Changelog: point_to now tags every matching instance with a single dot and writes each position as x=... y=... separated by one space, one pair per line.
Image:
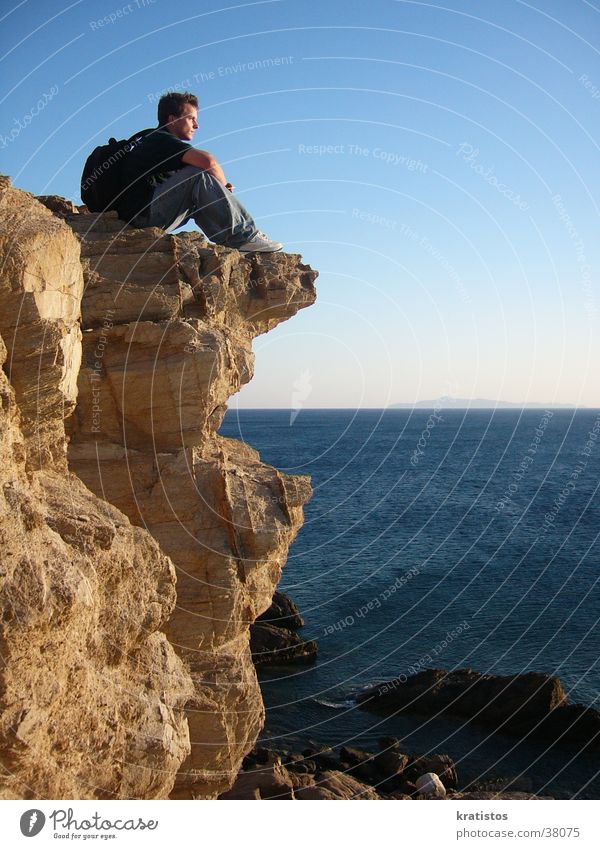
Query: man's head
x=178 y=113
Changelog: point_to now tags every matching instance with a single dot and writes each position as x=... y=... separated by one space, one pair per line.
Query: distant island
x=446 y=403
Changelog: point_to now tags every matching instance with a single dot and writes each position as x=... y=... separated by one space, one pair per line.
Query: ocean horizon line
x=398 y=409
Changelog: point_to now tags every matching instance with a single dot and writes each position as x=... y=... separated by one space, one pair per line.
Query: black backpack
x=101 y=180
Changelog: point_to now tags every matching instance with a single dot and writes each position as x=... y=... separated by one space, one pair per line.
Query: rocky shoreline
x=528 y=705
x=320 y=772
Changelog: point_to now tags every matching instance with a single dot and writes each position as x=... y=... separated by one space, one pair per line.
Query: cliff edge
x=149 y=543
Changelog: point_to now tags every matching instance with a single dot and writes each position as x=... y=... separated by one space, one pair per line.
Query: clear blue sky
x=438 y=163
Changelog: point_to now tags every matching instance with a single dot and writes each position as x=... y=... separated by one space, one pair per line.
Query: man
x=168 y=182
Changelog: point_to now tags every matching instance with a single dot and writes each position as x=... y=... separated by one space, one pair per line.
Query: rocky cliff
x=138 y=545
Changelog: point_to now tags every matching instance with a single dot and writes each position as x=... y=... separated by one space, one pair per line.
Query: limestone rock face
x=225 y=518
x=91 y=692
x=133 y=563
x=41 y=284
x=168 y=323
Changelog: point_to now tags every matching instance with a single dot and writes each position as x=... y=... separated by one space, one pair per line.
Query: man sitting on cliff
x=168 y=182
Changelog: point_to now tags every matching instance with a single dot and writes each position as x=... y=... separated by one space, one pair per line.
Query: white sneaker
x=260 y=243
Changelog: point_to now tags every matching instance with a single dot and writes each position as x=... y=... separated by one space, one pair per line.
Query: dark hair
x=172 y=103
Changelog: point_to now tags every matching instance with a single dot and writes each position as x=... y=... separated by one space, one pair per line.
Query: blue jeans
x=193 y=193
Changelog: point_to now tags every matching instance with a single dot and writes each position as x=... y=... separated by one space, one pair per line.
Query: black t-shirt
x=154 y=157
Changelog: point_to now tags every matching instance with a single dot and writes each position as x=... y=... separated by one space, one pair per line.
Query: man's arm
x=205 y=160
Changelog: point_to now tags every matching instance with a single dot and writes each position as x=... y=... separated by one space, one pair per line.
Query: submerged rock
x=282 y=613
x=277 y=646
x=532 y=703
x=494 y=699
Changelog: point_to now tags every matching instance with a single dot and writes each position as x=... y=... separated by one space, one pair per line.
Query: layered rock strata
x=137 y=339
x=91 y=691
x=168 y=323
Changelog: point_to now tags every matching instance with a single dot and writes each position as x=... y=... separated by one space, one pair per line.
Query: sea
x=446 y=539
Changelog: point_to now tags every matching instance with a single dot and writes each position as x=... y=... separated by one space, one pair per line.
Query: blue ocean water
x=460 y=538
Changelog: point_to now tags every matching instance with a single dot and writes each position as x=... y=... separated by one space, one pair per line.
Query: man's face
x=186 y=124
